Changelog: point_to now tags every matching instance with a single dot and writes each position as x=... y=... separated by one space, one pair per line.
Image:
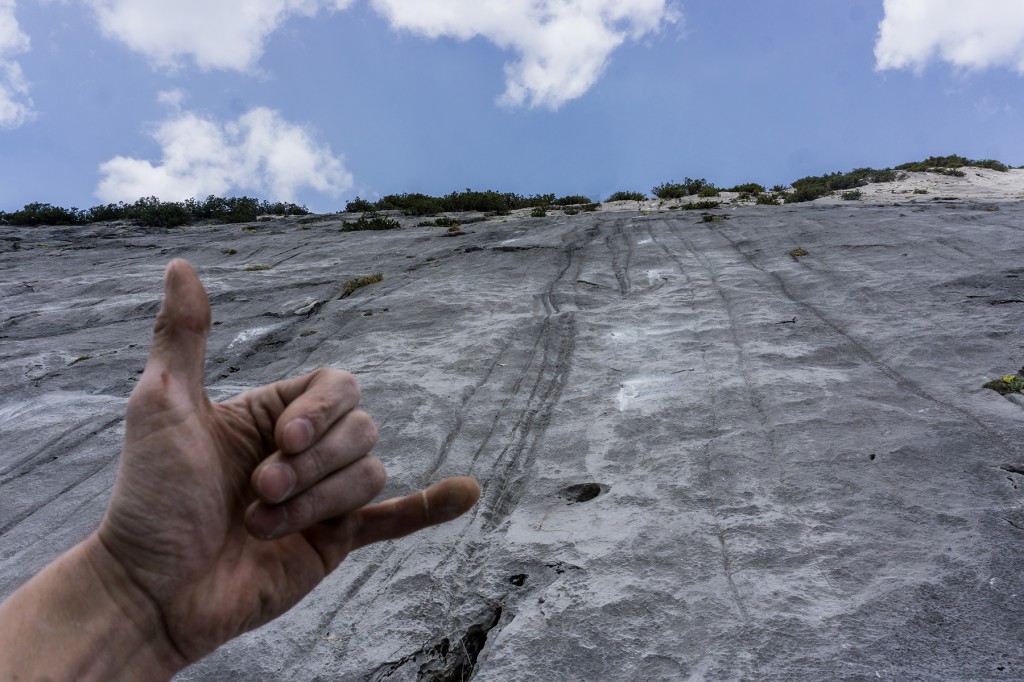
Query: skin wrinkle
x=161 y=618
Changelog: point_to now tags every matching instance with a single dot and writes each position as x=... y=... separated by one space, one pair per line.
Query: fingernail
x=276 y=482
x=298 y=435
x=269 y=522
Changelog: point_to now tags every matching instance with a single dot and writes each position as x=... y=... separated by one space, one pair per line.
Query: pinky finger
x=392 y=519
x=401 y=516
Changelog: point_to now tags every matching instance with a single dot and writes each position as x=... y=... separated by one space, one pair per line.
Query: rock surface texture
x=701 y=457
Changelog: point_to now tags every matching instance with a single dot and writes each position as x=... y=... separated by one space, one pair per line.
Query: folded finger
x=338 y=494
x=280 y=476
x=300 y=411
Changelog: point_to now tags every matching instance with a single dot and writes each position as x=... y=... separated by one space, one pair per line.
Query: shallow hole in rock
x=518 y=580
x=581 y=492
x=871 y=457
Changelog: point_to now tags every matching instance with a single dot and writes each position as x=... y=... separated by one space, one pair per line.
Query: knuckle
x=318 y=411
x=336 y=377
x=349 y=384
x=323 y=459
x=300 y=510
x=328 y=389
x=364 y=430
x=375 y=476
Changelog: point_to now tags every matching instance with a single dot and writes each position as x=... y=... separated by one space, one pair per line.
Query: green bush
x=749 y=188
x=486 y=202
x=411 y=204
x=535 y=200
x=852 y=195
x=98 y=214
x=571 y=200
x=689 y=186
x=953 y=161
x=707 y=192
x=1011 y=383
x=669 y=190
x=627 y=196
x=808 y=192
x=43 y=214
x=238 y=209
x=358 y=205
x=155 y=213
x=151 y=211
x=699 y=205
x=538 y=212
x=768 y=199
x=812 y=187
x=443 y=221
x=370 y=221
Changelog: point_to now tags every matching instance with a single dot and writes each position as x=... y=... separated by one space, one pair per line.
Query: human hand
x=224 y=515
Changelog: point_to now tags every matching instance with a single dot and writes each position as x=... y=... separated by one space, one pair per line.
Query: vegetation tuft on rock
x=350 y=286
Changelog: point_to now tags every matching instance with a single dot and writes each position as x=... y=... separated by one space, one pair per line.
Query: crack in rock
x=444 y=662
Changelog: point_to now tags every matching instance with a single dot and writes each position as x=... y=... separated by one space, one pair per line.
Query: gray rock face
x=701 y=457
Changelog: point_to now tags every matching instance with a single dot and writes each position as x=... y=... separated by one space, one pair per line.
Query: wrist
x=83 y=617
x=143 y=626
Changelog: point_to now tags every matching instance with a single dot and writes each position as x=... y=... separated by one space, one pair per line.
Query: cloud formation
x=216 y=34
x=15 y=103
x=259 y=153
x=973 y=35
x=563 y=45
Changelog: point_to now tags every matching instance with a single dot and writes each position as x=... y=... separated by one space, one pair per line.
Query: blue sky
x=317 y=101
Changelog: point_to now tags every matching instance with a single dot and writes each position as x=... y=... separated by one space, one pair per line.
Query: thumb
x=182 y=325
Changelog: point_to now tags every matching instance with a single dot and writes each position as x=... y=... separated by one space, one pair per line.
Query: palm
x=181 y=520
x=195 y=556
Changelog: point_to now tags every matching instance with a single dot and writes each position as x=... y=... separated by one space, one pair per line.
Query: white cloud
x=216 y=34
x=259 y=153
x=972 y=35
x=563 y=45
x=15 y=103
x=171 y=98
